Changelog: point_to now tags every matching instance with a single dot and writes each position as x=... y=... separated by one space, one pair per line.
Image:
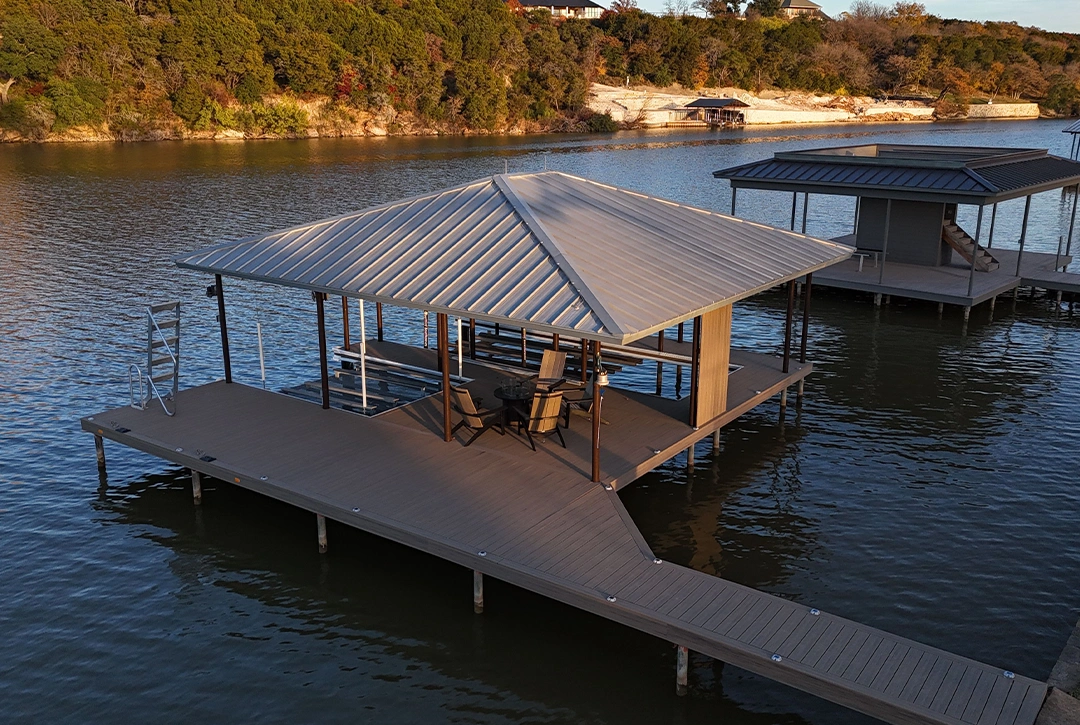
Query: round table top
x=522 y=390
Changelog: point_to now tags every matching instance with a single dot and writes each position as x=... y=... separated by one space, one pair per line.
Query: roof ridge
x=993 y=188
x=555 y=251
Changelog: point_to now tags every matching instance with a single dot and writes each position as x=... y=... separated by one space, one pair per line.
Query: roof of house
x=1072 y=128
x=956 y=174
x=800 y=5
x=560 y=4
x=717 y=103
x=548 y=251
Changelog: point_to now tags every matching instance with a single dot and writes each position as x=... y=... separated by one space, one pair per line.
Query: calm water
x=928 y=486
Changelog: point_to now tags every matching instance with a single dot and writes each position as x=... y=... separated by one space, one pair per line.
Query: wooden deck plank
x=1013 y=702
x=890 y=666
x=714 y=605
x=924 y=694
x=779 y=627
x=858 y=663
x=913 y=662
x=837 y=636
x=821 y=627
x=837 y=661
x=1029 y=710
x=978 y=698
x=995 y=701
x=777 y=614
x=963 y=692
x=945 y=693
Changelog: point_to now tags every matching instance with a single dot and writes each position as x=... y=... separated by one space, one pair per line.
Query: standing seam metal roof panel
x=547 y=251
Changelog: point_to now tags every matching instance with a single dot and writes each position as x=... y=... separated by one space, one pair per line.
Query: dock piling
x=690 y=458
x=799 y=393
x=477 y=592
x=682 y=670
x=993 y=302
x=320 y=521
x=783 y=398
x=716 y=440
x=877 y=299
x=196 y=486
x=967 y=312
x=99 y=448
x=940 y=309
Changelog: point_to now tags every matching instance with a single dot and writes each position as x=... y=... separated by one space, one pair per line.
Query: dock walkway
x=948 y=284
x=534 y=521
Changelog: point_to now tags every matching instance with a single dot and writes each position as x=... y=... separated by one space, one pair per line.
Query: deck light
x=607 y=487
x=262 y=478
x=777 y=658
x=481 y=553
x=601 y=373
x=356 y=509
x=657 y=561
x=179 y=450
x=815 y=612
x=1010 y=675
x=611 y=597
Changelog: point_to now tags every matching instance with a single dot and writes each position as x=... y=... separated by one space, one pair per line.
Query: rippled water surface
x=927 y=486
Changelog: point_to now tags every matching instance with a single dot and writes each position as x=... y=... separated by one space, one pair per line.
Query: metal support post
x=885 y=243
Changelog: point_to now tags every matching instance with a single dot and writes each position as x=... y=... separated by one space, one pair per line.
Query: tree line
x=145 y=68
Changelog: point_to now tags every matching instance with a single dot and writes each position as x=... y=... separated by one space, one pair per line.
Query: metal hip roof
x=547 y=251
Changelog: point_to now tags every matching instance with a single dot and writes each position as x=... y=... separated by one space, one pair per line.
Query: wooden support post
x=555 y=341
x=678 y=368
x=733 y=191
x=794 y=204
x=877 y=300
x=787 y=325
x=320 y=522
x=224 y=328
x=321 y=314
x=196 y=486
x=805 y=207
x=1023 y=234
x=716 y=440
x=993 y=302
x=805 y=321
x=596 y=400
x=940 y=309
x=444 y=356
x=1072 y=221
x=967 y=312
x=477 y=592
x=993 y=219
x=695 y=372
x=975 y=251
x=682 y=670
x=660 y=365
x=783 y=398
x=888 y=299
x=885 y=243
x=799 y=394
x=690 y=459
x=378 y=321
x=99 y=448
x=345 y=321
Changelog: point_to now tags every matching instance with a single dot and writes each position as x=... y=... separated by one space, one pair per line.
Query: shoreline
x=80 y=136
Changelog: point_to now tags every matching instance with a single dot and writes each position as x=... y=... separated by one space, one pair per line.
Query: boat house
x=579 y=310
x=908 y=240
x=723 y=112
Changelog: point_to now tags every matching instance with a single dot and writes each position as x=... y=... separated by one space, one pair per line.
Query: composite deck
x=536 y=521
x=948 y=284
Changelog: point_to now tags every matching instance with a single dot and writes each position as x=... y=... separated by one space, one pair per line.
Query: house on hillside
x=800 y=8
x=718 y=111
x=584 y=9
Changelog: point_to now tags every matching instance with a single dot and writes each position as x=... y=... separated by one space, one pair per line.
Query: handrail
x=134 y=369
x=164 y=340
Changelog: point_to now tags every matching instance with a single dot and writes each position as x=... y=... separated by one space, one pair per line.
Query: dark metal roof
x=968 y=175
x=560 y=4
x=1072 y=128
x=717 y=103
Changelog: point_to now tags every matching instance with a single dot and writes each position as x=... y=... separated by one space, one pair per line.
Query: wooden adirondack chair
x=478 y=421
x=544 y=416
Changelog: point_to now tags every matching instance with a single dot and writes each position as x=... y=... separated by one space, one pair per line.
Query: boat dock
x=535 y=520
x=507 y=456
x=949 y=284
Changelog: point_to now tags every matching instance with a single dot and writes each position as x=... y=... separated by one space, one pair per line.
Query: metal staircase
x=962 y=242
x=161 y=378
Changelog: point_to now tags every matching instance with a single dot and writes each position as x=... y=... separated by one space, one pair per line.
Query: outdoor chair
x=544 y=416
x=478 y=421
x=552 y=366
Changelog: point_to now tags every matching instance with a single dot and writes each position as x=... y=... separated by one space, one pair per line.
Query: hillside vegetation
x=132 y=69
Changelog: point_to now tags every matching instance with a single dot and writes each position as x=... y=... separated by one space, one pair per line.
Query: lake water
x=928 y=485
